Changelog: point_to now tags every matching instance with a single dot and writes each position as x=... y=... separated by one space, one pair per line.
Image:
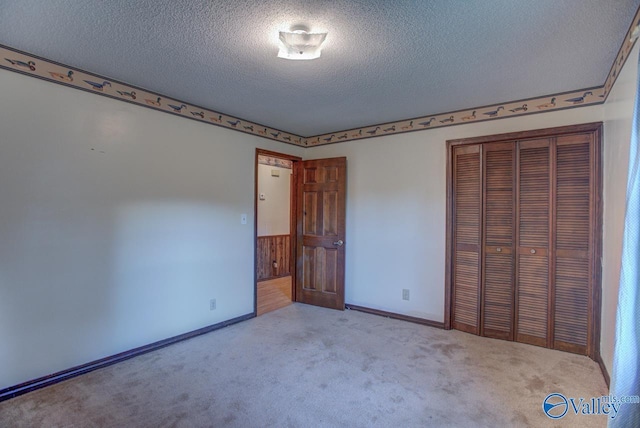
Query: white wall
x=274 y=212
x=396 y=209
x=105 y=250
x=618 y=113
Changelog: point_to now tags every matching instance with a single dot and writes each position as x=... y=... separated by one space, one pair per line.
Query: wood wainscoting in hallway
x=274 y=294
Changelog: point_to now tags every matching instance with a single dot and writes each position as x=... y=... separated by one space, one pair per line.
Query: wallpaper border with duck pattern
x=32 y=65
x=42 y=68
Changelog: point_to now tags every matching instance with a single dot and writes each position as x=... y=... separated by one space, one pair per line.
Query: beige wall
x=618 y=113
x=105 y=250
x=274 y=212
x=396 y=208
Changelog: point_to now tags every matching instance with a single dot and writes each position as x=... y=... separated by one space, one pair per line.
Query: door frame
x=293 y=230
x=596 y=266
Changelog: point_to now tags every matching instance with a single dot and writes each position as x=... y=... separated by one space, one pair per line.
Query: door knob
x=339 y=243
x=532 y=251
x=499 y=249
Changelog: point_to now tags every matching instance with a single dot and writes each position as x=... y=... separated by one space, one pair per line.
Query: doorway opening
x=275 y=214
x=300 y=231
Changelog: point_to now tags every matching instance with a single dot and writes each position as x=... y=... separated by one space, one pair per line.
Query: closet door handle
x=339 y=243
x=532 y=251
x=499 y=249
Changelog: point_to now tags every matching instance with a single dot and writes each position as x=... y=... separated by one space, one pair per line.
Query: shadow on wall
x=169 y=262
x=55 y=265
x=82 y=285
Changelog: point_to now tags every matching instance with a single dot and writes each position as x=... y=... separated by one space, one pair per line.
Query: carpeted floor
x=304 y=366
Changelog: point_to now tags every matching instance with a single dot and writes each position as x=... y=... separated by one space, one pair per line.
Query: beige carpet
x=303 y=366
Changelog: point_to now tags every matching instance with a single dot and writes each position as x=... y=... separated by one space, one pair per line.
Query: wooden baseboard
x=393 y=315
x=603 y=369
x=32 y=385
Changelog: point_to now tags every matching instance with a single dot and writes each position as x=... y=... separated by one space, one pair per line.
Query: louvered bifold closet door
x=533 y=230
x=572 y=242
x=498 y=266
x=467 y=205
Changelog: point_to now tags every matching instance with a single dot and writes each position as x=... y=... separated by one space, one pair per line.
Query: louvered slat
x=534 y=197
x=572 y=301
x=498 y=240
x=499 y=196
x=573 y=190
x=533 y=243
x=498 y=295
x=466 y=288
x=467 y=223
x=467 y=199
x=533 y=286
x=572 y=197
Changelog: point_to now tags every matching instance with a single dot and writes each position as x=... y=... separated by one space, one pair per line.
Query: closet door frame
x=593 y=345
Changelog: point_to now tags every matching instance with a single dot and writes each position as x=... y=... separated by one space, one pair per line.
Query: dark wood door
x=467 y=221
x=498 y=240
x=573 y=248
x=321 y=232
x=533 y=239
x=524 y=229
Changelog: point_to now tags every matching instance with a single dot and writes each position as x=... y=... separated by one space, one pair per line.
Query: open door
x=321 y=211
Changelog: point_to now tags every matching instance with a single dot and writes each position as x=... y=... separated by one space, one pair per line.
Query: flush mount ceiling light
x=299 y=43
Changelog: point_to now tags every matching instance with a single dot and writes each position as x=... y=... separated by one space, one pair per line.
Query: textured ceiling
x=383 y=60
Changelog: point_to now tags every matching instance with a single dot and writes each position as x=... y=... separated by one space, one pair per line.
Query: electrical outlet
x=405 y=294
x=212 y=304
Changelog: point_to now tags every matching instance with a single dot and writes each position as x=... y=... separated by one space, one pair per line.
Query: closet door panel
x=497 y=302
x=572 y=242
x=525 y=230
x=532 y=300
x=571 y=304
x=498 y=296
x=533 y=296
x=466 y=234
